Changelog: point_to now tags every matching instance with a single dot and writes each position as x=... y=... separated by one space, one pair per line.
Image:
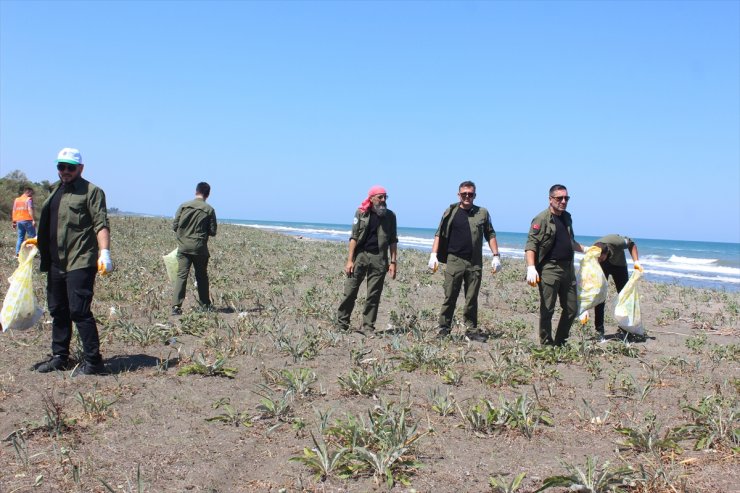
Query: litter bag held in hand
x=20 y=310
x=627 y=311
x=170 y=263
x=591 y=282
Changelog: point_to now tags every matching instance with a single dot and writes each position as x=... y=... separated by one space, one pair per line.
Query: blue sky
x=292 y=110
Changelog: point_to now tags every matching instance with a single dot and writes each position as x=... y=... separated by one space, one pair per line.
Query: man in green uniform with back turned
x=549 y=254
x=459 y=243
x=373 y=236
x=194 y=222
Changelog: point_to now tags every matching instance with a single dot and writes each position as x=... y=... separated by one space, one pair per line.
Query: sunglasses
x=71 y=168
x=564 y=198
x=382 y=196
x=467 y=195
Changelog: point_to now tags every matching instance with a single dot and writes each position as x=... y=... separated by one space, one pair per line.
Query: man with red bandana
x=373 y=236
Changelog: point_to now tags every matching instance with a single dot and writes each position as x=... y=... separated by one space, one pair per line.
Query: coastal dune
x=244 y=397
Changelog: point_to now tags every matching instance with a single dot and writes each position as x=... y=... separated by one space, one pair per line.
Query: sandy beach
x=231 y=400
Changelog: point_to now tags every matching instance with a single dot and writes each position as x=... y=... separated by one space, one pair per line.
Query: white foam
x=692 y=261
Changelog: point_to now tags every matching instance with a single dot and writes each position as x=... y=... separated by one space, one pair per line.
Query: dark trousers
x=558 y=281
x=200 y=265
x=461 y=273
x=620 y=276
x=69 y=296
x=370 y=266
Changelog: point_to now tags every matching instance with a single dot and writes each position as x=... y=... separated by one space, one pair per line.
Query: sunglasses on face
x=70 y=168
x=467 y=195
x=564 y=198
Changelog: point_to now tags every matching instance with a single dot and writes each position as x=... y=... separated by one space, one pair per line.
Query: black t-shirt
x=371 y=240
x=53 y=225
x=562 y=249
x=460 y=242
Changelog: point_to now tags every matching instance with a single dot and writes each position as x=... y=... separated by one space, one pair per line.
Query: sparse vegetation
x=310 y=408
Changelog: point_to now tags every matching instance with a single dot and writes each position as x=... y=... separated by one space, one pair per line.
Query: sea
x=700 y=264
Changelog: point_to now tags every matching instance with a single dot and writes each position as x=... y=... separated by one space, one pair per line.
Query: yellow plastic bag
x=20 y=310
x=591 y=281
x=627 y=311
x=170 y=264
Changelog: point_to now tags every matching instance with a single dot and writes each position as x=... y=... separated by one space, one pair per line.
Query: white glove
x=532 y=277
x=584 y=318
x=105 y=264
x=433 y=262
x=496 y=264
x=637 y=265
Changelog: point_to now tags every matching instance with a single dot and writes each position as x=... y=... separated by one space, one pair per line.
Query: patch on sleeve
x=354 y=221
x=535 y=228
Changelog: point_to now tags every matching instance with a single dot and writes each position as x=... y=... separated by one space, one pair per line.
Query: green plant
x=696 y=343
x=482 y=417
x=499 y=484
x=590 y=479
x=422 y=356
x=524 y=415
x=230 y=415
x=452 y=377
x=715 y=423
x=272 y=405
x=320 y=459
x=364 y=381
x=647 y=438
x=298 y=381
x=95 y=405
x=200 y=366
x=442 y=402
x=386 y=452
x=299 y=348
x=621 y=384
x=504 y=371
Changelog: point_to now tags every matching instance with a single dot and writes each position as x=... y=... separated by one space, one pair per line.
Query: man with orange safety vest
x=23 y=220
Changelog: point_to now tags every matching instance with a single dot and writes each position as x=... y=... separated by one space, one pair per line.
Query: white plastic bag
x=170 y=264
x=591 y=281
x=627 y=311
x=20 y=310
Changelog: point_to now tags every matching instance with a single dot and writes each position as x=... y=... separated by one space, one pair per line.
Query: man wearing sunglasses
x=74 y=245
x=458 y=242
x=549 y=254
x=374 y=235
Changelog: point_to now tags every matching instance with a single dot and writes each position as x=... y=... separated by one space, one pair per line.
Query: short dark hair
x=604 y=248
x=466 y=183
x=203 y=189
x=26 y=188
x=557 y=187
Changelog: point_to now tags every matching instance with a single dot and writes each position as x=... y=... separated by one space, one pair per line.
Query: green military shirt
x=542 y=234
x=194 y=222
x=480 y=227
x=387 y=230
x=82 y=213
x=616 y=245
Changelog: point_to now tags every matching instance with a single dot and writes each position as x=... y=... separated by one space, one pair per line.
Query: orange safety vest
x=21 y=209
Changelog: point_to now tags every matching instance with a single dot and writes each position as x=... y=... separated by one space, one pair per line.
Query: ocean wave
x=695 y=277
x=693 y=261
x=671 y=266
